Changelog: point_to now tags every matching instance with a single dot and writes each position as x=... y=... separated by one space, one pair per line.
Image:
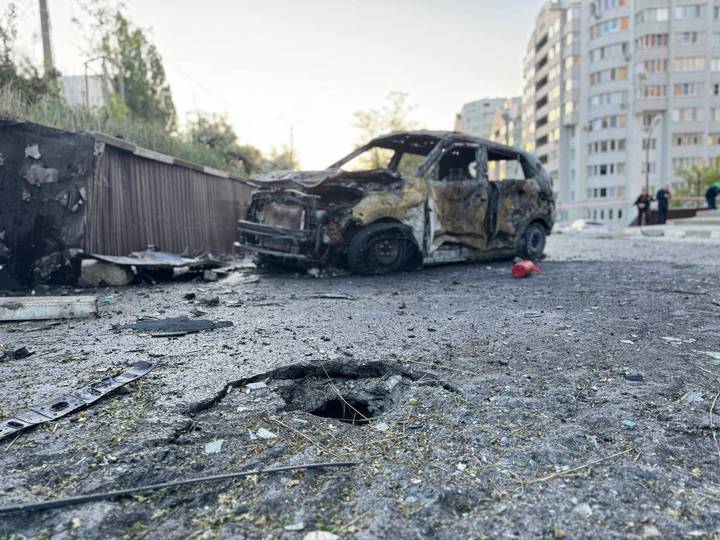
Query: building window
x=653 y=15
x=716 y=38
x=608 y=51
x=649 y=144
x=652 y=66
x=690 y=63
x=687 y=38
x=610 y=26
x=610 y=98
x=688 y=89
x=606 y=122
x=692 y=11
x=607 y=75
x=611 y=145
x=652 y=41
x=714 y=139
x=652 y=90
x=715 y=64
x=687 y=139
x=688 y=114
x=681 y=164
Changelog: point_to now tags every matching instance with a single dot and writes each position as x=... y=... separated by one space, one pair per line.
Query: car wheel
x=532 y=242
x=378 y=249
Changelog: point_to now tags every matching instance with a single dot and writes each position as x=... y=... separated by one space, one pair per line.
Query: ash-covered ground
x=575 y=403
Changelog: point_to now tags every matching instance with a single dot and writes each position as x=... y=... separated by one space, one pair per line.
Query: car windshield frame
x=399 y=150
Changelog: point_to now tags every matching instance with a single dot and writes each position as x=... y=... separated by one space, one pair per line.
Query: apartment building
x=506 y=124
x=620 y=94
x=476 y=117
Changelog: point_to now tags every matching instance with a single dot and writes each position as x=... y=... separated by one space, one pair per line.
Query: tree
x=697 y=179
x=131 y=63
x=216 y=132
x=394 y=115
x=19 y=75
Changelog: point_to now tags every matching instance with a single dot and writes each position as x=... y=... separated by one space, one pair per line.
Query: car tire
x=532 y=242
x=378 y=249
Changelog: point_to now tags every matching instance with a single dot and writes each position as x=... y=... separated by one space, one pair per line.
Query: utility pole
x=47 y=46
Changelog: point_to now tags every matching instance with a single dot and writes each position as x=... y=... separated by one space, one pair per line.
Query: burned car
x=401 y=201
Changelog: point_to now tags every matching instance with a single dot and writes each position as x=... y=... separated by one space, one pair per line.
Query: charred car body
x=405 y=199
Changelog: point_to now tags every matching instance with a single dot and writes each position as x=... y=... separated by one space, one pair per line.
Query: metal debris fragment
x=82 y=397
x=173 y=326
x=32 y=308
x=33 y=151
x=214 y=447
x=17 y=354
x=109 y=495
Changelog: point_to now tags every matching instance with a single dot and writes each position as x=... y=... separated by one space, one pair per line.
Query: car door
x=514 y=198
x=458 y=198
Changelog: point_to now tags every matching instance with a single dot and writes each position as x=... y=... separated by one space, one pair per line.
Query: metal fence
x=137 y=198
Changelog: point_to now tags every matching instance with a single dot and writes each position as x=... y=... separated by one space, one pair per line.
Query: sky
x=270 y=64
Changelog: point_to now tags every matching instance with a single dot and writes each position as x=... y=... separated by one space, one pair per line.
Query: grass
x=55 y=112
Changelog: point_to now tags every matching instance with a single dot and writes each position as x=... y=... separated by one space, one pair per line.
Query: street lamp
x=291 y=127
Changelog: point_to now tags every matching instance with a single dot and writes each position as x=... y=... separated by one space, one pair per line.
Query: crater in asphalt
x=350 y=411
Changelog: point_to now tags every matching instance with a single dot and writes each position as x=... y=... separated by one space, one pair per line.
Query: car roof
x=425 y=137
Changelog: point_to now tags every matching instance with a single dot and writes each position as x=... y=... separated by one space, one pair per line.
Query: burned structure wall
x=44 y=176
x=62 y=193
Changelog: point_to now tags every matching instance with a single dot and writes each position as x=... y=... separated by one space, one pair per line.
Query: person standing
x=643 y=205
x=663 y=198
x=711 y=194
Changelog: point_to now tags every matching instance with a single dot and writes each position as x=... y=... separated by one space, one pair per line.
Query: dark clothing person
x=663 y=199
x=710 y=195
x=643 y=205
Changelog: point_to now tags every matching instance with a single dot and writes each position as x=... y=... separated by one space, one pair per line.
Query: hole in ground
x=349 y=411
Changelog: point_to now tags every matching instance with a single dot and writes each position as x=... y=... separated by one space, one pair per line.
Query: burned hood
x=311 y=179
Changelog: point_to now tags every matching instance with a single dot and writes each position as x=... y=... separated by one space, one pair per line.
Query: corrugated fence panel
x=135 y=202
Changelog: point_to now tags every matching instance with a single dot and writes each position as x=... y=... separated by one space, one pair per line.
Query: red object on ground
x=525 y=268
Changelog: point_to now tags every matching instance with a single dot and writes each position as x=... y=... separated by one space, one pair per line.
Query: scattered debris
x=677 y=341
x=33 y=151
x=17 y=354
x=583 y=510
x=109 y=495
x=262 y=433
x=149 y=258
x=214 y=447
x=295 y=527
x=209 y=300
x=635 y=377
x=628 y=424
x=627 y=341
x=256 y=385
x=331 y=296
x=35 y=308
x=82 y=397
x=321 y=535
x=96 y=273
x=524 y=268
x=712 y=354
x=177 y=326
x=692 y=398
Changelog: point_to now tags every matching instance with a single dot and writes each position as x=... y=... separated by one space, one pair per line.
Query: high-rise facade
x=619 y=95
x=506 y=125
x=476 y=117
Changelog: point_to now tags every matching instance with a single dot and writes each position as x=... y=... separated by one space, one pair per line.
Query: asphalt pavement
x=575 y=403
